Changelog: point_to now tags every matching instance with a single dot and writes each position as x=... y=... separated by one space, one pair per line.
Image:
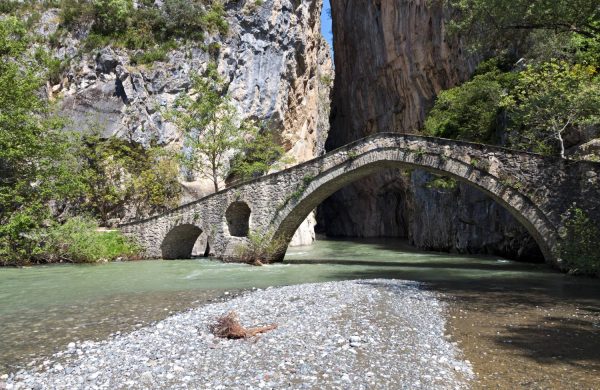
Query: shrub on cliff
x=144 y=25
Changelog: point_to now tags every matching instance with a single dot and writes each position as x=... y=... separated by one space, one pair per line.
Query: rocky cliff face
x=274 y=57
x=392 y=58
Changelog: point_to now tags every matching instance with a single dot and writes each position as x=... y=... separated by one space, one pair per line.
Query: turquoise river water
x=43 y=308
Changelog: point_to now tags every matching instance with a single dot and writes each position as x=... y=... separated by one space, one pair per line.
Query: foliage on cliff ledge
x=540 y=90
x=136 y=25
x=146 y=24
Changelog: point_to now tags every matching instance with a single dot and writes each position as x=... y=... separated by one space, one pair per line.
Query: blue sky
x=326 y=28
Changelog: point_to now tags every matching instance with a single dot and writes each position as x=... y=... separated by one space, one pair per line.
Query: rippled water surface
x=44 y=308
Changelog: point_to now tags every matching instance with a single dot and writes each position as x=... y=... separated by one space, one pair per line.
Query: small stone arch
x=179 y=242
x=238 y=219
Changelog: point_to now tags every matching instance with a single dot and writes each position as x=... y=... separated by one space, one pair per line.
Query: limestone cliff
x=273 y=57
x=392 y=58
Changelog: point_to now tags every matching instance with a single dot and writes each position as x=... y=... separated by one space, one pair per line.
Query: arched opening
x=428 y=211
x=238 y=219
x=179 y=242
x=202 y=246
x=323 y=186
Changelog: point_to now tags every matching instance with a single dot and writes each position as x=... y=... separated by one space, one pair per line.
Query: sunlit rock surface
x=274 y=58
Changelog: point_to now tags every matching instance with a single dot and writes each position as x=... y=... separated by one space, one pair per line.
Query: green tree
x=579 y=244
x=472 y=110
x=259 y=155
x=498 y=23
x=154 y=182
x=122 y=177
x=214 y=131
x=550 y=99
x=37 y=162
x=211 y=126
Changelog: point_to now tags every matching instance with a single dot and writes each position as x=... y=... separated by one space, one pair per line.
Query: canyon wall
x=276 y=62
x=392 y=58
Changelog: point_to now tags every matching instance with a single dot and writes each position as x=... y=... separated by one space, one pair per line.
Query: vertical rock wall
x=274 y=58
x=392 y=58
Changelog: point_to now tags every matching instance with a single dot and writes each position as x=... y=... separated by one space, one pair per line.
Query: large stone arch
x=179 y=241
x=325 y=183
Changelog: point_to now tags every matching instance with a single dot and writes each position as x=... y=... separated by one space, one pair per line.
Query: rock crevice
x=392 y=59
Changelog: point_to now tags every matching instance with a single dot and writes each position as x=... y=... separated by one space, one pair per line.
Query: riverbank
x=523 y=337
x=338 y=334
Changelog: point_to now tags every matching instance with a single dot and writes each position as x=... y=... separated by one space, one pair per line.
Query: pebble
x=351 y=334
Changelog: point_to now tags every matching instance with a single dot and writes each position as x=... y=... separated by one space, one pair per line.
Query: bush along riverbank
x=338 y=335
x=78 y=240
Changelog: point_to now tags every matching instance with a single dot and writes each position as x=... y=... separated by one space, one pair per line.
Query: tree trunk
x=562 y=145
x=215 y=179
x=560 y=139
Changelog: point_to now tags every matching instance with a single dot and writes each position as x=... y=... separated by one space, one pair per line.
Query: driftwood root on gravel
x=229 y=327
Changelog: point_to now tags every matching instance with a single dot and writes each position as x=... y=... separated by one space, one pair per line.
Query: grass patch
x=150 y=56
x=442 y=183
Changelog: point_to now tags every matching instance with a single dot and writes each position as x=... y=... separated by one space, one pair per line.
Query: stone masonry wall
x=538 y=191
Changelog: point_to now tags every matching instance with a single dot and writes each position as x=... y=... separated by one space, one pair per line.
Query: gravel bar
x=363 y=334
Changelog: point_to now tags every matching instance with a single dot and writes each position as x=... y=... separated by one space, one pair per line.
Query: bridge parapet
x=537 y=190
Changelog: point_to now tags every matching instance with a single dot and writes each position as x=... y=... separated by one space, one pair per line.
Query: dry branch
x=229 y=327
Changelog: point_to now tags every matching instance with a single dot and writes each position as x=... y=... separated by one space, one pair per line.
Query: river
x=520 y=324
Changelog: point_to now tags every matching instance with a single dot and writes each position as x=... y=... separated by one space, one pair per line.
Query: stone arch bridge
x=537 y=190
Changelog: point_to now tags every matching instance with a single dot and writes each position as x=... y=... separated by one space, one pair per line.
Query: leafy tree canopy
x=214 y=131
x=36 y=157
x=473 y=111
x=548 y=100
x=508 y=23
x=541 y=82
